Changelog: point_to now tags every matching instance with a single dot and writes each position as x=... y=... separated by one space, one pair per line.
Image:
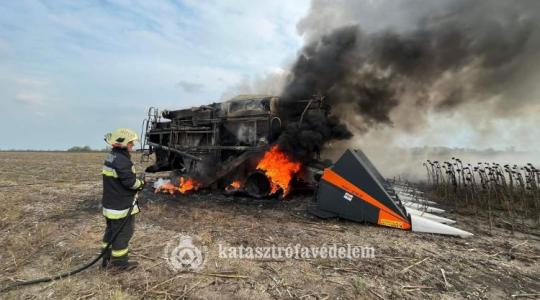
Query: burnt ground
x=56 y=225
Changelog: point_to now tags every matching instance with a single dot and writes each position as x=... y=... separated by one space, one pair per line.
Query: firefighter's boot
x=123 y=264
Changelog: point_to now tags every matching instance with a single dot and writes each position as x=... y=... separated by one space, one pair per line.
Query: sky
x=71 y=71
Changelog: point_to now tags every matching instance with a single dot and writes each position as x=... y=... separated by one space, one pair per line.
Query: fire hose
x=83 y=267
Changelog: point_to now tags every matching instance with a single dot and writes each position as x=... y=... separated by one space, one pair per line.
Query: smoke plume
x=396 y=64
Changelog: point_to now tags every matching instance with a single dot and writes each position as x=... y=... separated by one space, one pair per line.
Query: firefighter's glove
x=142 y=185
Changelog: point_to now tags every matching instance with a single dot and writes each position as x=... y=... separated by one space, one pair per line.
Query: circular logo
x=183 y=255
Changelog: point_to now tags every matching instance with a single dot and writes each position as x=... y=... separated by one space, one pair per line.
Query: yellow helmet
x=121 y=137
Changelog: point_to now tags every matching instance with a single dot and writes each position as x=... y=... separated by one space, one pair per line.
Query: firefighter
x=120 y=184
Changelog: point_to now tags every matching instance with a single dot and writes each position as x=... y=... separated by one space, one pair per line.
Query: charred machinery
x=222 y=143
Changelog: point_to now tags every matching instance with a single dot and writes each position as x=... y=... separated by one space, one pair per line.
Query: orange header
x=387 y=217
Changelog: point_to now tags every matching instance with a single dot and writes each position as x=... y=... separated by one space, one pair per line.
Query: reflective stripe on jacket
x=120 y=184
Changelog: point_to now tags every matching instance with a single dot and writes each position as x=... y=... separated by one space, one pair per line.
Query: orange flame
x=166 y=188
x=188 y=185
x=235 y=184
x=279 y=169
x=184 y=186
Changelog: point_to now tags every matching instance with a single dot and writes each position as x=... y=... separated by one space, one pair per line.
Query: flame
x=235 y=185
x=166 y=188
x=184 y=186
x=188 y=185
x=279 y=168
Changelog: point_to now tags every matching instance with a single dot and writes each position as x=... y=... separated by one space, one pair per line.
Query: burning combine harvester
x=229 y=145
x=235 y=146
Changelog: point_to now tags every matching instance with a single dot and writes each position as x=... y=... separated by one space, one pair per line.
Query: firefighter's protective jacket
x=120 y=184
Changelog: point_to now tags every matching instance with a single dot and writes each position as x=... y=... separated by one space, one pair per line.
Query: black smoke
x=459 y=52
x=302 y=139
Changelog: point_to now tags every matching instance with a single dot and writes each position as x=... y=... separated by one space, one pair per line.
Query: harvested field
x=56 y=224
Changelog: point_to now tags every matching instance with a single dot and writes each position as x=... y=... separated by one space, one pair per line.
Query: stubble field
x=50 y=221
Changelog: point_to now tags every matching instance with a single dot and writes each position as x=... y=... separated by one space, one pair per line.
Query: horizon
x=73 y=71
x=436 y=148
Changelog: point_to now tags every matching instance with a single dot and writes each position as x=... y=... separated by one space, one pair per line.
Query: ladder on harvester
x=148 y=124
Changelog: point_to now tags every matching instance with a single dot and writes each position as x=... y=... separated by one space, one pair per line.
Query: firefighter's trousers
x=121 y=245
